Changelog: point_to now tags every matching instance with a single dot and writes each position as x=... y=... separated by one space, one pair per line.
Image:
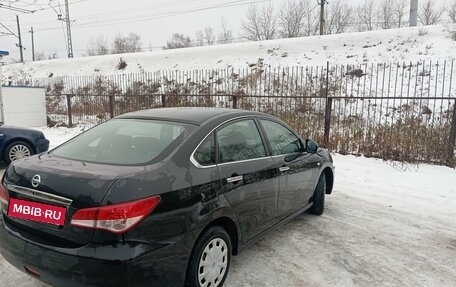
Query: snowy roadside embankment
x=422 y=189
x=394 y=45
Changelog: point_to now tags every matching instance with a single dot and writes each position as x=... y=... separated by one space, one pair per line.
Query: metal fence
x=399 y=111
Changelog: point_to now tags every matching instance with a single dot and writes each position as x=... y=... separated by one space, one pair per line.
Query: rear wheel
x=17 y=150
x=210 y=259
x=319 y=196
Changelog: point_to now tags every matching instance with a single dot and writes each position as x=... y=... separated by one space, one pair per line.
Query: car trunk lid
x=62 y=183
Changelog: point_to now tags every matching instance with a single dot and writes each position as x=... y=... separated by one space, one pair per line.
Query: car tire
x=20 y=147
x=319 y=196
x=214 y=242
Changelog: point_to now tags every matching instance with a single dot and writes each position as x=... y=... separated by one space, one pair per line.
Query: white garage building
x=23 y=106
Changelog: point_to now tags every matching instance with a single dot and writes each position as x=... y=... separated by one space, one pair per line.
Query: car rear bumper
x=89 y=265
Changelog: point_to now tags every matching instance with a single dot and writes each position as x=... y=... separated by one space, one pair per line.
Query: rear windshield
x=124 y=141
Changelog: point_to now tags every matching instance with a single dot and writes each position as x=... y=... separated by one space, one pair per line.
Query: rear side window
x=281 y=139
x=124 y=142
x=205 y=154
x=240 y=140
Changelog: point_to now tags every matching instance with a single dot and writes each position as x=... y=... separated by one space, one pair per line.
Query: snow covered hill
x=395 y=45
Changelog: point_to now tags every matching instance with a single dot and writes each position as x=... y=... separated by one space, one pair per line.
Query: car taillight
x=116 y=218
x=3 y=196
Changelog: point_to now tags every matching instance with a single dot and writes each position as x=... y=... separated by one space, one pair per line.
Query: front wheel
x=319 y=196
x=17 y=150
x=210 y=259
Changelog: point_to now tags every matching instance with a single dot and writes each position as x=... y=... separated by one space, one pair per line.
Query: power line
x=145 y=17
x=16 y=9
x=169 y=14
x=10 y=32
x=122 y=12
x=136 y=9
x=149 y=17
x=158 y=15
x=46 y=7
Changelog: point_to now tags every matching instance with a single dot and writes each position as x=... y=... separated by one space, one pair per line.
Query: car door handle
x=235 y=179
x=284 y=168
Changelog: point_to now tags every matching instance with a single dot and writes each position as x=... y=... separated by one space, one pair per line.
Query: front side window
x=282 y=140
x=123 y=141
x=240 y=140
x=205 y=154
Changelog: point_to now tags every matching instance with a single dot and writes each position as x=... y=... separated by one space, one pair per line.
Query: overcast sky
x=153 y=20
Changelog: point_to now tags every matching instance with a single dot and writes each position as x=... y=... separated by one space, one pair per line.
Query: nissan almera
x=161 y=197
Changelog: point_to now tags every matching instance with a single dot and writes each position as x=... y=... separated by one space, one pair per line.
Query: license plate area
x=39 y=212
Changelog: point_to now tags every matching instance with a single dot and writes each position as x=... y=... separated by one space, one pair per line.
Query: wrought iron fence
x=400 y=111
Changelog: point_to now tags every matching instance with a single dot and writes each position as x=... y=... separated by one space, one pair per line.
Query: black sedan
x=161 y=197
x=17 y=143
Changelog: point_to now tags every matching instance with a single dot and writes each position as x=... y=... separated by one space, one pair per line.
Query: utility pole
x=322 y=4
x=33 y=44
x=68 y=26
x=20 y=39
x=413 y=13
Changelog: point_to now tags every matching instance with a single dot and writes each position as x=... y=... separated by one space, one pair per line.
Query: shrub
x=122 y=64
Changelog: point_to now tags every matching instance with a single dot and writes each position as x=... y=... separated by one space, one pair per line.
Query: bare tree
x=400 y=12
x=199 y=38
x=312 y=20
x=98 y=46
x=178 y=41
x=126 y=44
x=209 y=35
x=429 y=14
x=386 y=14
x=261 y=24
x=205 y=37
x=291 y=19
x=339 y=17
x=52 y=56
x=366 y=16
x=225 y=35
x=40 y=56
x=452 y=11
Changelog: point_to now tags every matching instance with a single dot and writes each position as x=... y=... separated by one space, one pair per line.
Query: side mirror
x=311 y=146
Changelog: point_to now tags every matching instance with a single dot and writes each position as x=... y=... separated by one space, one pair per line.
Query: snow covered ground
x=386 y=224
x=395 y=45
x=383 y=226
x=59 y=135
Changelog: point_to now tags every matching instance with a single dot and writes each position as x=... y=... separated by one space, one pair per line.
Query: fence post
x=452 y=139
x=111 y=106
x=70 y=117
x=328 y=109
x=163 y=101
x=235 y=99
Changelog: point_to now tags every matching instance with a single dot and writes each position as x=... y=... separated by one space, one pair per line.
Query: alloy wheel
x=19 y=151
